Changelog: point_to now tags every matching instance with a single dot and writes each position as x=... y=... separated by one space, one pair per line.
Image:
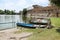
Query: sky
x=18 y=5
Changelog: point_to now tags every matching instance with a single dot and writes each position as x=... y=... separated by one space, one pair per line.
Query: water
x=9 y=21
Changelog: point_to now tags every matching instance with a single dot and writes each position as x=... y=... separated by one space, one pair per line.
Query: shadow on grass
x=58 y=30
x=50 y=27
x=26 y=27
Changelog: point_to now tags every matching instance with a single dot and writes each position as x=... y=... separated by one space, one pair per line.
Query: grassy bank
x=48 y=34
x=44 y=33
x=55 y=21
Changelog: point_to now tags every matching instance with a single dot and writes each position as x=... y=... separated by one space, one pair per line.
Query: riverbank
x=10 y=35
x=44 y=33
x=47 y=34
x=33 y=34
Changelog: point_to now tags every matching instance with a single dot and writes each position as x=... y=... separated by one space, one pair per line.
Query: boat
x=26 y=25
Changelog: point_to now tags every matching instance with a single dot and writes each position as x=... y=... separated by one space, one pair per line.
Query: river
x=9 y=21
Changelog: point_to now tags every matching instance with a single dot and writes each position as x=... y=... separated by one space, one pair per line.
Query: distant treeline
x=8 y=12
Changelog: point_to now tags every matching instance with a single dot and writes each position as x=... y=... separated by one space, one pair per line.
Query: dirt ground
x=9 y=35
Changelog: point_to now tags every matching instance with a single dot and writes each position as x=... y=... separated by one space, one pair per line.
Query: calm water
x=9 y=21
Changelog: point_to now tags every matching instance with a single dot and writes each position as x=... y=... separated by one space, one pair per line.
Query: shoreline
x=8 y=29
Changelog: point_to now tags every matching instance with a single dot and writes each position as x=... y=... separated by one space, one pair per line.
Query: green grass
x=55 y=21
x=48 y=34
x=44 y=33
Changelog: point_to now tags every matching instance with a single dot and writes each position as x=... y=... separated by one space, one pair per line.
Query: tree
x=24 y=15
x=55 y=2
x=6 y=11
x=1 y=12
x=12 y=12
x=9 y=12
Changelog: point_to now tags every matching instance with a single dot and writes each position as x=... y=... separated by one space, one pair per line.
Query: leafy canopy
x=55 y=2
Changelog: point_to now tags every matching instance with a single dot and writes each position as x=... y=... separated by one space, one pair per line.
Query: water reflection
x=9 y=21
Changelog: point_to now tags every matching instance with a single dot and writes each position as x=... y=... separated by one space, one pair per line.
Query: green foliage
x=24 y=14
x=1 y=12
x=55 y=2
x=7 y=12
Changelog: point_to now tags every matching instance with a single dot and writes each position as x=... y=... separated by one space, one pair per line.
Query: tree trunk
x=57 y=14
